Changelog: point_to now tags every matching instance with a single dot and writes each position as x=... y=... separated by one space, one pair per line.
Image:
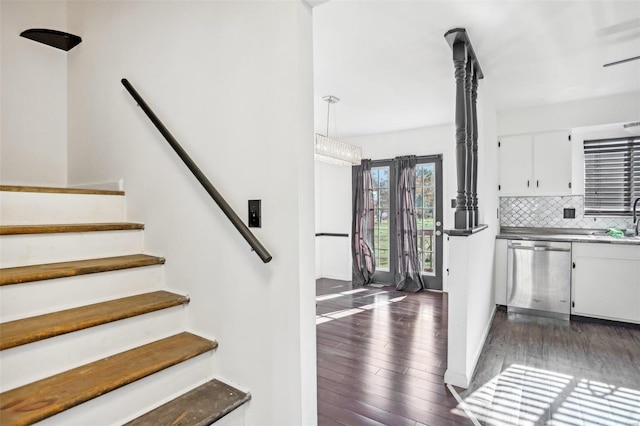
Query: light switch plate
x=255 y=213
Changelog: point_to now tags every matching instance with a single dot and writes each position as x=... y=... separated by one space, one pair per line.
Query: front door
x=428 y=202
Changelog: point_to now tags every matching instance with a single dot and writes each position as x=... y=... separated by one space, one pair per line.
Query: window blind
x=612 y=176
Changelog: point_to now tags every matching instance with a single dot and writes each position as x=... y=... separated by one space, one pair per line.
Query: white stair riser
x=28 y=208
x=33 y=249
x=127 y=403
x=35 y=361
x=40 y=297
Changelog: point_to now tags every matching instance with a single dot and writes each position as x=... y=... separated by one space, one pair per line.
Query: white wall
x=471 y=303
x=233 y=82
x=33 y=83
x=333 y=194
x=488 y=158
x=588 y=112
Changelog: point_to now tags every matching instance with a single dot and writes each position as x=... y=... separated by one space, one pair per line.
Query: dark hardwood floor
x=540 y=371
x=382 y=355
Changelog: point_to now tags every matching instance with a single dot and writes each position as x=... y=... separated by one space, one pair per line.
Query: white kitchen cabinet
x=516 y=165
x=535 y=164
x=500 y=272
x=605 y=282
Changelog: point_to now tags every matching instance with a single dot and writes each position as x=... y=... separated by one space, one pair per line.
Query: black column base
x=461 y=219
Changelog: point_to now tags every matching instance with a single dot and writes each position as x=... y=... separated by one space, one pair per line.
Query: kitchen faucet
x=636 y=221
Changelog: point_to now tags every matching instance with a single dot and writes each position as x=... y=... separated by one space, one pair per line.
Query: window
x=381 y=216
x=612 y=176
x=425 y=211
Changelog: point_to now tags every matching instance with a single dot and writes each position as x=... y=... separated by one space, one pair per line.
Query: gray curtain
x=407 y=277
x=362 y=225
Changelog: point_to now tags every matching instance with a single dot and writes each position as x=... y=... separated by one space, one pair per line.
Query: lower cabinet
x=605 y=281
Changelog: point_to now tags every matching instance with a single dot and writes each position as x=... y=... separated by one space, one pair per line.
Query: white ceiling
x=391 y=67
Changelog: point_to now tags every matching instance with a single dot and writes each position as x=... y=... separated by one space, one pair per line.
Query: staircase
x=89 y=335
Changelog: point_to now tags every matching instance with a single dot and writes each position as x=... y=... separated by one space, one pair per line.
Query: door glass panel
x=425 y=212
x=380 y=177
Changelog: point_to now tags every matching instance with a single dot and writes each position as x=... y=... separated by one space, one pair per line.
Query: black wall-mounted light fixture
x=53 y=38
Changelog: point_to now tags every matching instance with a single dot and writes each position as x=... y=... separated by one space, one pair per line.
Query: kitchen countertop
x=551 y=234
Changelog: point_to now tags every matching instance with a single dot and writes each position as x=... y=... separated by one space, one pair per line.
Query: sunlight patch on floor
x=522 y=395
x=320 y=319
x=336 y=295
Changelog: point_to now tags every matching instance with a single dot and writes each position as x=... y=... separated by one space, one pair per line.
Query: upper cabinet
x=535 y=164
x=515 y=159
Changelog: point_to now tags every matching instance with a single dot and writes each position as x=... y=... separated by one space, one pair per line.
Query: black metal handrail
x=206 y=184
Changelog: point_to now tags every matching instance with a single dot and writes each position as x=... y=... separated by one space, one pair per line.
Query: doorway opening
x=428 y=207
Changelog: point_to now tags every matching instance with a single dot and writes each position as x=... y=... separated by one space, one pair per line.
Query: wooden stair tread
x=47 y=189
x=47 y=397
x=21 y=274
x=27 y=330
x=200 y=407
x=62 y=228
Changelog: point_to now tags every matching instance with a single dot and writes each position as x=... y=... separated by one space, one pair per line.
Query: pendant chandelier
x=332 y=150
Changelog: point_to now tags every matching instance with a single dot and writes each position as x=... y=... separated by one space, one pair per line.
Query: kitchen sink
x=627 y=236
x=576 y=235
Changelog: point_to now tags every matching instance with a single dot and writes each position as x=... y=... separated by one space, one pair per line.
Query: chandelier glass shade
x=332 y=150
x=335 y=152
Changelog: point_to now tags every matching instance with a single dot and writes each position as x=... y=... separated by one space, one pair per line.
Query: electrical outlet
x=569 y=213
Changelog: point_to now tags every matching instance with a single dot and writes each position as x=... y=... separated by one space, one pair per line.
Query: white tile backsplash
x=547 y=212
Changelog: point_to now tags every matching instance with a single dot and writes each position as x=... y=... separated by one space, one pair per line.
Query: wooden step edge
x=44 y=398
x=201 y=406
x=64 y=228
x=59 y=190
x=23 y=274
x=32 y=329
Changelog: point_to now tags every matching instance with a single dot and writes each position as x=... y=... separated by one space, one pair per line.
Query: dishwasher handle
x=537 y=248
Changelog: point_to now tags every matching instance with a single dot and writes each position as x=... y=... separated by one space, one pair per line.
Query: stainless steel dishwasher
x=539 y=277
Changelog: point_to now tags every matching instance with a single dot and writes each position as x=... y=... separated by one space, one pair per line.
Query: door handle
x=438 y=223
x=534 y=248
x=438 y=233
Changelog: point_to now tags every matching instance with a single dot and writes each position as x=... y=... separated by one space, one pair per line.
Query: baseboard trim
x=456 y=379
x=334 y=277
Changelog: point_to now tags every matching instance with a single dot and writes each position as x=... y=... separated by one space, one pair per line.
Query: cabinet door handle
x=527 y=184
x=537 y=183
